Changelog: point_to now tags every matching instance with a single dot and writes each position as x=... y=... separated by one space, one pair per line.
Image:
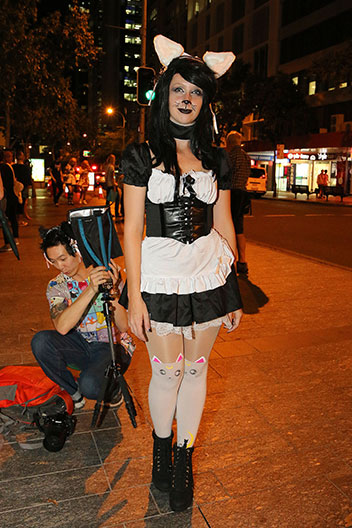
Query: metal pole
x=143 y=63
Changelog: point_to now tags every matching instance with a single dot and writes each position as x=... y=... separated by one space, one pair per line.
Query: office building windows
x=221 y=43
x=207 y=27
x=293 y=10
x=194 y=37
x=260 y=26
x=237 y=10
x=321 y=36
x=220 y=13
x=261 y=61
x=237 y=39
x=312 y=87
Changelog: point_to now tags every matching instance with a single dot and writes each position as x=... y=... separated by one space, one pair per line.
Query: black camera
x=56 y=429
x=106 y=287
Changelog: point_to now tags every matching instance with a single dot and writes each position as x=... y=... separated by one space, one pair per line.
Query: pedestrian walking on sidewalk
x=84 y=181
x=23 y=173
x=10 y=200
x=181 y=283
x=112 y=195
x=322 y=181
x=241 y=168
x=70 y=179
x=57 y=179
x=80 y=336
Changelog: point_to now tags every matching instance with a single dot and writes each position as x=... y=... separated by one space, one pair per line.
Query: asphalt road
x=316 y=230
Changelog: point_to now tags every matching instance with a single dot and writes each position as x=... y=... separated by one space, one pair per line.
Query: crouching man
x=80 y=337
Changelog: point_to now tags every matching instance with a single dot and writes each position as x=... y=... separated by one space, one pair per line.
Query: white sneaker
x=4 y=248
x=79 y=404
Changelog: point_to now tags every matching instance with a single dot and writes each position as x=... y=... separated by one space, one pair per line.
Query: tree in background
x=277 y=103
x=335 y=66
x=38 y=57
x=282 y=108
x=232 y=104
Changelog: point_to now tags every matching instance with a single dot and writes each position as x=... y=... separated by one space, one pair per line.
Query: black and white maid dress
x=187 y=277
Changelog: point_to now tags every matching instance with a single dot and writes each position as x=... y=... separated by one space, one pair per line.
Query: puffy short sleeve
x=224 y=172
x=136 y=164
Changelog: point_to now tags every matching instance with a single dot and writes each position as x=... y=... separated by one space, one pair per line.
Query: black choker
x=181 y=131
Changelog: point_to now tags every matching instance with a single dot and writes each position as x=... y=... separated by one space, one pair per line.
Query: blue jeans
x=54 y=352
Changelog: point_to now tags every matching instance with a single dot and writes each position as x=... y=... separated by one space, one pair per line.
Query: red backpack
x=29 y=399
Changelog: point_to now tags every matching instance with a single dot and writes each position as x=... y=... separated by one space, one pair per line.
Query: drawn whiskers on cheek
x=186 y=106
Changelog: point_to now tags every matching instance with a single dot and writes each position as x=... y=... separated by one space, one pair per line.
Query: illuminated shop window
x=312 y=87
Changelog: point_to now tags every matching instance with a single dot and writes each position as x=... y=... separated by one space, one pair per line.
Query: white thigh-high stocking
x=167 y=362
x=193 y=387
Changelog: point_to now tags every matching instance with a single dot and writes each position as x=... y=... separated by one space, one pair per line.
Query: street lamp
x=110 y=111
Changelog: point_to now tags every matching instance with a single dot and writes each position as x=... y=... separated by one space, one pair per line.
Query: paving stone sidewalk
x=274 y=448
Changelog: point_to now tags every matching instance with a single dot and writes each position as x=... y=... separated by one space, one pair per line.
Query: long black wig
x=161 y=141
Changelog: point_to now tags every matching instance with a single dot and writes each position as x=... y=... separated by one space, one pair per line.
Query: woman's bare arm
x=134 y=204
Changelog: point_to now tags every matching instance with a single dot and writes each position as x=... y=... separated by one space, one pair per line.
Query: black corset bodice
x=185 y=219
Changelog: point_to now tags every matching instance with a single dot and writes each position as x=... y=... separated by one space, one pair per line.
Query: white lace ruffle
x=206 y=264
x=164 y=329
x=161 y=186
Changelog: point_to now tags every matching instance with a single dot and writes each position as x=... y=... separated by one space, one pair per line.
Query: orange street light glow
x=109 y=110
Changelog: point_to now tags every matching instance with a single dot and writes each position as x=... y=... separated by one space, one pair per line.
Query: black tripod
x=113 y=375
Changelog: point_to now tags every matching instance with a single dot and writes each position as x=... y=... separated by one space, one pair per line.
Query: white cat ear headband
x=167 y=50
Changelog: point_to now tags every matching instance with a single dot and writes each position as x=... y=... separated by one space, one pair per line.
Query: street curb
x=294 y=200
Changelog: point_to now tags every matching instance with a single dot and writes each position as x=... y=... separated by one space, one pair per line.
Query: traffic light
x=145 y=85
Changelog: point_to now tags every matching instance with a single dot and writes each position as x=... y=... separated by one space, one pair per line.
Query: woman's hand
x=235 y=318
x=138 y=318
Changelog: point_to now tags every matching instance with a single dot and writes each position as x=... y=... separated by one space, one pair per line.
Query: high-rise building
x=169 y=18
x=290 y=36
x=116 y=26
x=279 y=36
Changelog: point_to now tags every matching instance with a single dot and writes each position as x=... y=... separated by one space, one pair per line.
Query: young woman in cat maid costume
x=181 y=282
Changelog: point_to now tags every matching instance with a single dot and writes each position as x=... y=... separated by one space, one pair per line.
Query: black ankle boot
x=181 y=493
x=162 y=462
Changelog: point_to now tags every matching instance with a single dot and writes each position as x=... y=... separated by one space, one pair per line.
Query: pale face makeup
x=185 y=101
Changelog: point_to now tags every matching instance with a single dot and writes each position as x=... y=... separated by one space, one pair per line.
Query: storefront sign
x=312 y=156
x=262 y=157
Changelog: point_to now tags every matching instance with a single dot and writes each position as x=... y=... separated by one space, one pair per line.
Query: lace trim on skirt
x=163 y=329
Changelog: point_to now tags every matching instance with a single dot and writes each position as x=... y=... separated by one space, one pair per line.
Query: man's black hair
x=56 y=236
x=161 y=141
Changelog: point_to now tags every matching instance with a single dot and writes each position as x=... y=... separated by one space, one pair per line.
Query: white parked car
x=256 y=183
